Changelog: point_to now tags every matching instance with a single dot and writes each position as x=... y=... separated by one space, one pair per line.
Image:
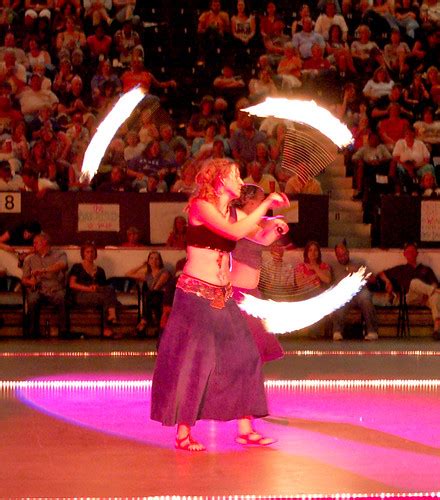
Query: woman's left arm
x=161 y=282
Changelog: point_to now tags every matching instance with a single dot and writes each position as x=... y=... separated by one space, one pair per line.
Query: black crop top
x=202 y=237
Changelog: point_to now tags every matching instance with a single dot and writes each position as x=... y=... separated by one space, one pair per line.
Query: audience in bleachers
x=63 y=65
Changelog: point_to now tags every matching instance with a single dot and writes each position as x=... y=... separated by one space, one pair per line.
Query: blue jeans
x=365 y=304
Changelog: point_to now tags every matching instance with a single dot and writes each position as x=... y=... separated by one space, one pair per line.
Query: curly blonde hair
x=210 y=177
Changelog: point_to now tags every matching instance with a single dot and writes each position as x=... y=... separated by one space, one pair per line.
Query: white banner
x=98 y=217
x=430 y=221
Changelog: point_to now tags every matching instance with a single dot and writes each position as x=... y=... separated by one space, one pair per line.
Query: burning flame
x=106 y=131
x=306 y=112
x=285 y=317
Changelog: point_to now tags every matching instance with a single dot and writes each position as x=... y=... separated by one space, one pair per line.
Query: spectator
x=97 y=11
x=186 y=183
x=378 y=86
x=228 y=81
x=417 y=281
x=213 y=28
x=396 y=54
x=262 y=87
x=312 y=275
x=362 y=49
x=125 y=40
x=88 y=284
x=10 y=46
x=104 y=74
x=169 y=141
x=267 y=20
x=406 y=14
x=428 y=130
x=99 y=44
x=133 y=238
x=69 y=40
x=267 y=182
x=410 y=161
x=118 y=181
x=44 y=278
x=297 y=24
x=36 y=184
x=245 y=139
x=148 y=131
x=8 y=180
x=338 y=52
x=198 y=121
x=243 y=29
x=33 y=98
x=415 y=96
x=134 y=148
x=177 y=237
x=289 y=68
x=37 y=57
x=12 y=72
x=430 y=15
x=330 y=18
x=124 y=9
x=370 y=160
x=305 y=39
x=138 y=75
x=393 y=128
x=274 y=43
x=363 y=300
x=157 y=287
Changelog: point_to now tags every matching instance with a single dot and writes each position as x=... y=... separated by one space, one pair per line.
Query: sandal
x=186 y=443
x=253 y=438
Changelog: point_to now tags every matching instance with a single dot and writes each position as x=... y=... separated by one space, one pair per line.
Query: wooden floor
x=74 y=422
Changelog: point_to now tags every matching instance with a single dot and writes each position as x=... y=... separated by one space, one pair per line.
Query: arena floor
x=351 y=418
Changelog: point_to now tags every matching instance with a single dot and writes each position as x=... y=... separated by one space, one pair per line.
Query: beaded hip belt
x=217 y=295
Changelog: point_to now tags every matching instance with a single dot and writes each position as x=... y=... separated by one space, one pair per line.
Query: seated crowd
x=48 y=279
x=63 y=65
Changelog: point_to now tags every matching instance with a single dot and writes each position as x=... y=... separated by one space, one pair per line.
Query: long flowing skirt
x=208 y=365
x=267 y=343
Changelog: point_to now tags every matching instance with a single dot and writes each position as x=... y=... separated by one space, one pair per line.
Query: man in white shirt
x=328 y=18
x=33 y=98
x=410 y=161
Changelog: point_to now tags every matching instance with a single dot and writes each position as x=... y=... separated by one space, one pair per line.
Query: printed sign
x=98 y=217
x=10 y=203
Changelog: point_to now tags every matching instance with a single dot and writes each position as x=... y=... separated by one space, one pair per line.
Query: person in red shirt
x=99 y=44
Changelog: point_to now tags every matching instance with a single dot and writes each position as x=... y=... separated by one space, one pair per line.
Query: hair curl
x=209 y=178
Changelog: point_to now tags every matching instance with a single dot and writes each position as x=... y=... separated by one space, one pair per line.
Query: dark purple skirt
x=267 y=343
x=208 y=366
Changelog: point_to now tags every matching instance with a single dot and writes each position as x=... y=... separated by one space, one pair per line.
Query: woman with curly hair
x=208 y=366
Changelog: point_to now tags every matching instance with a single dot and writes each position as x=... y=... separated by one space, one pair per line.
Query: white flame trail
x=106 y=131
x=306 y=112
x=284 y=317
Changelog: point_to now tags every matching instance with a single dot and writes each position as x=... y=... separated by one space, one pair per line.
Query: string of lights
x=153 y=353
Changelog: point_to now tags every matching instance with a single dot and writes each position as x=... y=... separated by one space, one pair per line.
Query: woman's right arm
x=206 y=213
x=136 y=272
x=74 y=285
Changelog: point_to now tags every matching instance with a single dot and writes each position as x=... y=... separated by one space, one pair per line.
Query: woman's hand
x=278 y=200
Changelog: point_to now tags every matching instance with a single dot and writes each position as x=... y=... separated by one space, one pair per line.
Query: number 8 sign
x=10 y=203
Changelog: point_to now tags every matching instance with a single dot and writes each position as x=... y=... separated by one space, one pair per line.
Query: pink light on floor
x=364 y=429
